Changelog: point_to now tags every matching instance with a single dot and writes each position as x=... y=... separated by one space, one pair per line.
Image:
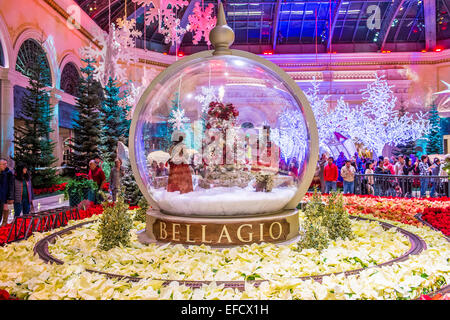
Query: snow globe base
x=279 y=227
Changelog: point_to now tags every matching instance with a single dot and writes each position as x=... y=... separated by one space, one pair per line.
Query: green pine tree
x=86 y=128
x=125 y=123
x=111 y=122
x=434 y=144
x=32 y=144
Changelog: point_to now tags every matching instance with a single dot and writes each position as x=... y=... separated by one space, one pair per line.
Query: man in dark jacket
x=6 y=190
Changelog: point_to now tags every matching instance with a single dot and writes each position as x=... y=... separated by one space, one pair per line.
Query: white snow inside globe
x=221 y=136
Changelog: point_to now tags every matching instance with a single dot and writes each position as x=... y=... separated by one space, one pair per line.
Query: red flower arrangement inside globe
x=221 y=115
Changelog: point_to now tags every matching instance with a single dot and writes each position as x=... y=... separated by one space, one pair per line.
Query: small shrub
x=336 y=218
x=325 y=221
x=115 y=225
x=314 y=236
x=141 y=213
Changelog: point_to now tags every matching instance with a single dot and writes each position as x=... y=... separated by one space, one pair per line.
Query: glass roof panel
x=443 y=19
x=409 y=24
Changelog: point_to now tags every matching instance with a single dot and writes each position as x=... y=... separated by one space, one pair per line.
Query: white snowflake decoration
x=208 y=95
x=134 y=90
x=177 y=119
x=201 y=22
x=115 y=48
x=173 y=31
x=445 y=92
x=162 y=11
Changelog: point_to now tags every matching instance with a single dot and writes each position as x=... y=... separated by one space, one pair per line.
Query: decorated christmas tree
x=112 y=117
x=434 y=145
x=32 y=144
x=86 y=141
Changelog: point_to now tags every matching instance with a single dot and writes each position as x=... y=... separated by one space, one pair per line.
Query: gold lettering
x=188 y=232
x=162 y=230
x=261 y=232
x=224 y=231
x=174 y=232
x=204 y=234
x=250 y=234
x=270 y=230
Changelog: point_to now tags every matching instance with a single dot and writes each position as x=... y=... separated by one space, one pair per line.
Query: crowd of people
x=342 y=169
x=16 y=187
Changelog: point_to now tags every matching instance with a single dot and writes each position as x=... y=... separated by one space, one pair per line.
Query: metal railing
x=387 y=185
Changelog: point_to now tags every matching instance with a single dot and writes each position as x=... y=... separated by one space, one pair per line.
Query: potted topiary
x=80 y=189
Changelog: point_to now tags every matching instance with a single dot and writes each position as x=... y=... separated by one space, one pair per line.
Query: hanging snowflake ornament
x=201 y=22
x=114 y=52
x=206 y=97
x=177 y=119
x=445 y=92
x=160 y=10
x=134 y=89
x=173 y=32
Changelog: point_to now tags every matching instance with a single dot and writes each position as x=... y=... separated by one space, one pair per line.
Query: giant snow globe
x=223 y=145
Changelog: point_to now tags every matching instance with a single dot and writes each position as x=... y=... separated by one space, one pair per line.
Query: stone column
x=6 y=116
x=429 y=8
x=55 y=97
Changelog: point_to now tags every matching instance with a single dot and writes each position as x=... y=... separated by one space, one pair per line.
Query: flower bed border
x=417 y=246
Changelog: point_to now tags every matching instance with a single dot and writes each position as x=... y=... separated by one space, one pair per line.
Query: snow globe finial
x=221 y=36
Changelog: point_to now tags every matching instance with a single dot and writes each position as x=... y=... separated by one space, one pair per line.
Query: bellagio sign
x=222 y=232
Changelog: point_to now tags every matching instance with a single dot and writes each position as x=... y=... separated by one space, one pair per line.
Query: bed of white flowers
x=26 y=276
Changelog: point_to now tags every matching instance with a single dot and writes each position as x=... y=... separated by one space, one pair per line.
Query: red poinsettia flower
x=4 y=295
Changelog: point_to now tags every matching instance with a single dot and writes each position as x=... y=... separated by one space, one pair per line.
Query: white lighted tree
x=290 y=135
x=319 y=106
x=381 y=124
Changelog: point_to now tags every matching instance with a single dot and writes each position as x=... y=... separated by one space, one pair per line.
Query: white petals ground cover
x=26 y=276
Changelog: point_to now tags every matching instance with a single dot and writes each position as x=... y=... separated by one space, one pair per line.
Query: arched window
x=2 y=56
x=28 y=54
x=70 y=79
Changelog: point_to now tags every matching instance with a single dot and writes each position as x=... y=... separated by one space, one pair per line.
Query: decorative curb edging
x=417 y=246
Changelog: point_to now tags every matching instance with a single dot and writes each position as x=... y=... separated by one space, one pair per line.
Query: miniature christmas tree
x=336 y=218
x=33 y=146
x=115 y=225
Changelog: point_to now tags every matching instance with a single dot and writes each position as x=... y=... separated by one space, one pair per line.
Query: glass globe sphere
x=223 y=135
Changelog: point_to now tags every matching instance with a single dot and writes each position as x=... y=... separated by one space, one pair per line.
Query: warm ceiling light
x=268 y=52
x=180 y=54
x=438 y=49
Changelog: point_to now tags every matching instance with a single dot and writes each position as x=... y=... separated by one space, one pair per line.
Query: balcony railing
x=402 y=186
